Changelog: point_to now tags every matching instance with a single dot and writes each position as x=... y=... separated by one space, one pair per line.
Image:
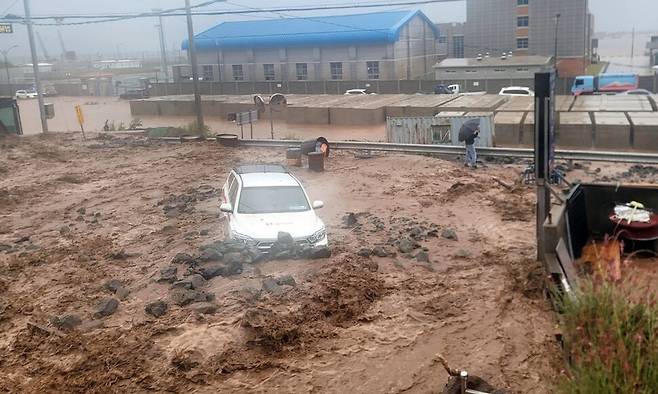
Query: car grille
x=265 y=246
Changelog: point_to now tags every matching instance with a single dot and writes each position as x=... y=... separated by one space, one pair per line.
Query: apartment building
x=528 y=27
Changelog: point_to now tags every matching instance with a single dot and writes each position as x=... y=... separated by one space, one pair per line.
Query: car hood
x=267 y=226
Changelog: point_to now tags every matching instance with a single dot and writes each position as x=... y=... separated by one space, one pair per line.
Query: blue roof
x=376 y=27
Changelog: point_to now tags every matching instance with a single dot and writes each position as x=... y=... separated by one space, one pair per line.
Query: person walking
x=467 y=134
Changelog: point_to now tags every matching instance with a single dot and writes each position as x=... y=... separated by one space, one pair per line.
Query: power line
x=102 y=18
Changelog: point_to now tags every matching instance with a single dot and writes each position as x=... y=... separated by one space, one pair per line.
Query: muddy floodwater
x=427 y=257
x=97 y=110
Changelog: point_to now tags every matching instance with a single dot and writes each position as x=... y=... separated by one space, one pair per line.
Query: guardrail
x=616 y=157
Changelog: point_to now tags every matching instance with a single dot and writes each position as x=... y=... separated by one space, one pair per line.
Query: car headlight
x=241 y=237
x=318 y=235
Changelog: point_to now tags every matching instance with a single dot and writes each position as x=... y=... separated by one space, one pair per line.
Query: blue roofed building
x=379 y=45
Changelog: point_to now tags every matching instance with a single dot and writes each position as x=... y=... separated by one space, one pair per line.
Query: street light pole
x=35 y=65
x=163 y=51
x=557 y=24
x=4 y=54
x=191 y=50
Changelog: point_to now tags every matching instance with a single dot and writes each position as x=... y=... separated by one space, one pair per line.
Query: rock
x=210 y=254
x=80 y=218
x=197 y=281
x=168 y=274
x=286 y=280
x=364 y=252
x=22 y=239
x=380 y=251
x=212 y=271
x=182 y=258
x=113 y=285
x=5 y=248
x=204 y=232
x=255 y=253
x=157 y=308
x=64 y=230
x=416 y=233
x=463 y=254
x=106 y=307
x=422 y=257
x=406 y=245
x=284 y=238
x=122 y=293
x=119 y=255
x=350 y=220
x=182 y=297
x=205 y=308
x=449 y=233
x=271 y=285
x=66 y=322
x=233 y=263
x=282 y=255
x=320 y=252
x=81 y=210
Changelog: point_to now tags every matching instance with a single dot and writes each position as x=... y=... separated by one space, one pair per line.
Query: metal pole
x=557 y=24
x=35 y=65
x=195 y=72
x=163 y=51
x=4 y=53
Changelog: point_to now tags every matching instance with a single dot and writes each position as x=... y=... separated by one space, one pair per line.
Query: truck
x=604 y=83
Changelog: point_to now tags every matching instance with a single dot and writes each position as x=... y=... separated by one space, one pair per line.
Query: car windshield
x=279 y=199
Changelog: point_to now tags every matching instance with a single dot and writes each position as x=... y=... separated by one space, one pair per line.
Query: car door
x=227 y=185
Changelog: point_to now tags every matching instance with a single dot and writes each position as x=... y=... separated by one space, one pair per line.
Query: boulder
x=364 y=252
x=182 y=258
x=157 y=308
x=406 y=245
x=66 y=322
x=106 y=307
x=449 y=233
x=380 y=251
x=168 y=274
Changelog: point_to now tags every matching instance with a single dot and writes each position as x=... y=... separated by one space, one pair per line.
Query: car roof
x=516 y=88
x=262 y=168
x=268 y=179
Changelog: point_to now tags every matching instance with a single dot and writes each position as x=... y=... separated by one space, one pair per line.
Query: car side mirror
x=226 y=207
x=318 y=204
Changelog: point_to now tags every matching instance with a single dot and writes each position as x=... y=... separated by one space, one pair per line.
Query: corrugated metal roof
x=376 y=27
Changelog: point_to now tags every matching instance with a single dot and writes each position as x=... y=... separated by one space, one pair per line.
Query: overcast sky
x=133 y=37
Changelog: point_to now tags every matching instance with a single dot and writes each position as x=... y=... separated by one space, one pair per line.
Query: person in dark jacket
x=471 y=154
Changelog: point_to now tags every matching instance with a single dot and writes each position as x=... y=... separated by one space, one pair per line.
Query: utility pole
x=191 y=50
x=163 y=51
x=35 y=65
x=633 y=46
x=4 y=54
x=557 y=24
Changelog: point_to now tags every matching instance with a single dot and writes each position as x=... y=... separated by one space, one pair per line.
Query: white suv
x=262 y=200
x=25 y=94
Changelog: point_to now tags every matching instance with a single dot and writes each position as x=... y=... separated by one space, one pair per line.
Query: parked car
x=517 y=91
x=260 y=201
x=637 y=92
x=442 y=89
x=134 y=94
x=26 y=94
x=357 y=91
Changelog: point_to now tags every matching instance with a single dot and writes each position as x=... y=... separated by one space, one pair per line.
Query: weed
x=612 y=340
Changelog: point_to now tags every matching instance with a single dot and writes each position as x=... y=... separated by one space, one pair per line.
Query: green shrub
x=611 y=337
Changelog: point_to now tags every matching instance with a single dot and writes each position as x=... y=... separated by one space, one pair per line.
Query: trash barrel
x=227 y=139
x=316 y=161
x=319 y=144
x=294 y=157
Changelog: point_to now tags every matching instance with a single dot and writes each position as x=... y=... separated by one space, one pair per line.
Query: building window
x=521 y=43
x=521 y=2
x=522 y=21
x=268 y=72
x=207 y=73
x=302 y=71
x=373 y=70
x=443 y=39
x=336 y=70
x=238 y=75
x=458 y=47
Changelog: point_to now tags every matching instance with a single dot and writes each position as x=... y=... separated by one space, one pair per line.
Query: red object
x=636 y=231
